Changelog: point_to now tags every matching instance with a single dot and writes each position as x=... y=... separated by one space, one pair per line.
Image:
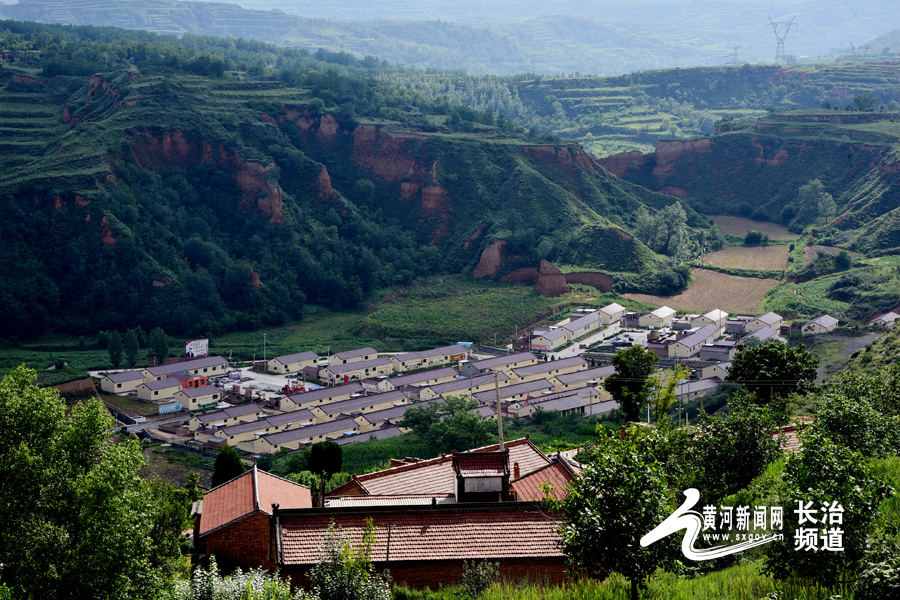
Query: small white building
x=823 y=324
x=550 y=340
x=714 y=317
x=612 y=313
x=582 y=326
x=658 y=318
x=886 y=320
x=292 y=363
x=158 y=390
x=770 y=320
x=122 y=383
x=197 y=398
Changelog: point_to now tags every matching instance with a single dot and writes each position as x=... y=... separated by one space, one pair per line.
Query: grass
x=433 y=312
x=834 y=350
x=130 y=405
x=739 y=582
x=754 y=258
x=174 y=465
x=715 y=290
x=739 y=226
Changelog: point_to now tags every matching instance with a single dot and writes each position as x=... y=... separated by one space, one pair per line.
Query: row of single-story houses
x=185 y=382
x=580 y=323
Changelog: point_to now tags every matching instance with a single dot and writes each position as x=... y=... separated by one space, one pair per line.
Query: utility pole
x=264 y=351
x=523 y=309
x=779 y=51
x=499 y=409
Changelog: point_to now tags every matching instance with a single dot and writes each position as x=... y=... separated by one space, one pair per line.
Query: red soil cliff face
x=106 y=235
x=491 y=259
x=551 y=281
x=618 y=164
x=393 y=156
x=668 y=151
x=171 y=148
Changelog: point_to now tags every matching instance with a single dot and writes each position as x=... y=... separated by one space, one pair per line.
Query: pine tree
x=132 y=348
x=228 y=466
x=115 y=349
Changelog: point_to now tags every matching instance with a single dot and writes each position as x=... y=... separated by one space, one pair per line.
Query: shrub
x=478 y=578
x=252 y=585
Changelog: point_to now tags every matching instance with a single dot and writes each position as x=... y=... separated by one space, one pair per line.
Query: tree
x=115 y=349
x=74 y=509
x=131 y=347
x=159 y=345
x=664 y=394
x=729 y=452
x=619 y=497
x=326 y=458
x=773 y=371
x=450 y=425
x=812 y=198
x=228 y=466
x=843 y=261
x=631 y=384
x=823 y=473
x=865 y=101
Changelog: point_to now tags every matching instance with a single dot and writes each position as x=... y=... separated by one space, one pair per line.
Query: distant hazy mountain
x=549 y=37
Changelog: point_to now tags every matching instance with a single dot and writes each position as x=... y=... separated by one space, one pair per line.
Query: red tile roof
x=252 y=491
x=528 y=487
x=436 y=476
x=444 y=532
x=481 y=464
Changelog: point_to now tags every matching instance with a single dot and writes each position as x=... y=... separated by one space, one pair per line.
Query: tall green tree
x=729 y=451
x=450 y=425
x=159 y=345
x=631 y=384
x=825 y=473
x=228 y=466
x=326 y=458
x=74 y=510
x=131 y=347
x=772 y=371
x=115 y=349
x=620 y=496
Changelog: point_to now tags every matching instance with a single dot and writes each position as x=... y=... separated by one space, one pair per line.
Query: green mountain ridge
x=154 y=195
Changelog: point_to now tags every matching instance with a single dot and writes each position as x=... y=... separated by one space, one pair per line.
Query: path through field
x=712 y=289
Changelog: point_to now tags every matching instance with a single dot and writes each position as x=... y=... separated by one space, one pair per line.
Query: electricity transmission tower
x=733 y=56
x=779 y=51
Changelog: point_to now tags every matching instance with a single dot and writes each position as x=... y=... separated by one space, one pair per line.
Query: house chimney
x=515 y=470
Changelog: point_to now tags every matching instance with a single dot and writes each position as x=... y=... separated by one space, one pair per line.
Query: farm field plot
x=754 y=258
x=715 y=290
x=739 y=226
x=811 y=252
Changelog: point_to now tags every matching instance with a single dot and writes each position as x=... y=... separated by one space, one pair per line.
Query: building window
x=118 y=385
x=156 y=393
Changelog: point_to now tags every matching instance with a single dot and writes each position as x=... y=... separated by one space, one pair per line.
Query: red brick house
x=425 y=546
x=436 y=475
x=233 y=521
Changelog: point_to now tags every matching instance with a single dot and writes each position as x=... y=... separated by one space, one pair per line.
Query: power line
x=779 y=51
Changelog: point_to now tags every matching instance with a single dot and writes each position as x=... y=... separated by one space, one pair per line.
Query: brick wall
x=244 y=544
x=432 y=574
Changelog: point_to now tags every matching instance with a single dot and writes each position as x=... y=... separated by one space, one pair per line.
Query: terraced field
x=739 y=226
x=715 y=290
x=811 y=252
x=754 y=258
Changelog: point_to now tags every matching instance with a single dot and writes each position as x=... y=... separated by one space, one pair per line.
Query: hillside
x=509 y=37
x=152 y=194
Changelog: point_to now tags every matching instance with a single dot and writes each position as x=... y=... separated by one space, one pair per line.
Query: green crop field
x=739 y=227
x=753 y=258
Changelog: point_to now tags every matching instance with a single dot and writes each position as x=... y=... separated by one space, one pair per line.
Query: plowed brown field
x=715 y=290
